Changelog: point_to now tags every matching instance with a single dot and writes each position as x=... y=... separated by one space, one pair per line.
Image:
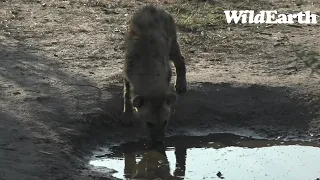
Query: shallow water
x=218 y=156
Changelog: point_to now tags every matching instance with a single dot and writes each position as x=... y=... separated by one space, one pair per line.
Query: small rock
x=43 y=4
x=109 y=11
x=214 y=59
x=90 y=72
x=41 y=98
x=14 y=12
x=16 y=93
x=277 y=44
x=219 y=174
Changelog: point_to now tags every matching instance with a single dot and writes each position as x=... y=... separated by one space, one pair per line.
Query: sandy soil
x=60 y=91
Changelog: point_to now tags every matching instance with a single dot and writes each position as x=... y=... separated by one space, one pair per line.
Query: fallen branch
x=44 y=152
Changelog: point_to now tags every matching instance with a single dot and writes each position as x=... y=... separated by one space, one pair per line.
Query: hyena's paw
x=127 y=119
x=181 y=86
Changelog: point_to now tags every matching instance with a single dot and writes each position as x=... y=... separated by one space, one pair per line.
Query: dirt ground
x=60 y=91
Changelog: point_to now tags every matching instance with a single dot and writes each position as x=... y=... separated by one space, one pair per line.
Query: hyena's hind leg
x=180 y=66
x=127 y=106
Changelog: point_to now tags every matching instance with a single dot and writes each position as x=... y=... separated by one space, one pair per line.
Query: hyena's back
x=148 y=42
x=151 y=19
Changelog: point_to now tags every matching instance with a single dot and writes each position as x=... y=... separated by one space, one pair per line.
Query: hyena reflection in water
x=154 y=165
x=150 y=44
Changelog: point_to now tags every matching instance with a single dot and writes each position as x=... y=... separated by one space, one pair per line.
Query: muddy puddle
x=218 y=156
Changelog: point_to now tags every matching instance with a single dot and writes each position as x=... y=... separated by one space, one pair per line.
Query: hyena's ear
x=171 y=98
x=138 y=101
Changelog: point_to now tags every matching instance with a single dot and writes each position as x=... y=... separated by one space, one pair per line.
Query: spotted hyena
x=150 y=44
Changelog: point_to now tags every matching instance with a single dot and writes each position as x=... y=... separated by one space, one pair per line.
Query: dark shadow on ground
x=48 y=104
x=243 y=105
x=18 y=154
x=207 y=104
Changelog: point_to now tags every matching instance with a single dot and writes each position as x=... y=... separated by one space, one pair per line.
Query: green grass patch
x=191 y=16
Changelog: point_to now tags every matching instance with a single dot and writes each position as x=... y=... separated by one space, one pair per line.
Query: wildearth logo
x=269 y=17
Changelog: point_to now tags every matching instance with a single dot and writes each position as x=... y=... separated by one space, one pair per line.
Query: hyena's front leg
x=127 y=106
x=180 y=66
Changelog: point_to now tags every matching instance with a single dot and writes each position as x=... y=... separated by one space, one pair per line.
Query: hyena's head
x=154 y=113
